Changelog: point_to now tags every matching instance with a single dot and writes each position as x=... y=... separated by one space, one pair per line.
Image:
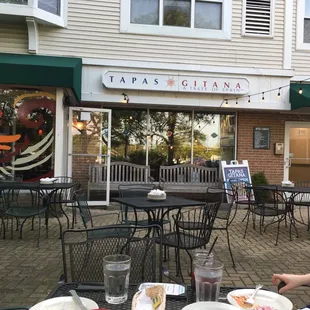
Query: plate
x=263 y=298
x=210 y=305
x=63 y=303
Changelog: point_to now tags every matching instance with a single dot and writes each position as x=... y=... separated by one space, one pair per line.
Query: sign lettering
x=175 y=83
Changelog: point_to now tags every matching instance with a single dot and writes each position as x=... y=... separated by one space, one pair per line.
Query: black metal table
x=46 y=192
x=156 y=210
x=293 y=191
x=172 y=303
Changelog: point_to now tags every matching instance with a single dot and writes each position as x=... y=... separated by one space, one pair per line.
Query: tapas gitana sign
x=176 y=83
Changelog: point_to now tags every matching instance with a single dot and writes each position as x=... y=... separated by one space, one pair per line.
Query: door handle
x=288 y=162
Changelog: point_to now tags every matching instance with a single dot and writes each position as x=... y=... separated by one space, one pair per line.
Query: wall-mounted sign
x=261 y=138
x=176 y=83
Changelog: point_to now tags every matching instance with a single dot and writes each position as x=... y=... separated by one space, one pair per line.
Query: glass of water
x=208 y=277
x=116 y=270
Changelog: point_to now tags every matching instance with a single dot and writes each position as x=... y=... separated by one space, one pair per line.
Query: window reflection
x=171 y=137
x=128 y=139
x=208 y=15
x=177 y=13
x=144 y=12
x=51 y=6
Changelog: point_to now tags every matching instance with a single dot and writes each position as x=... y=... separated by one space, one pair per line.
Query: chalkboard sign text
x=261 y=138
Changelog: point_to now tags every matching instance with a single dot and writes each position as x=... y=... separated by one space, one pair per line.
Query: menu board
x=261 y=138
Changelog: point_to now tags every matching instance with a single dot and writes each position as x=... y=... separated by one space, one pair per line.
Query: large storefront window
x=26 y=134
x=129 y=131
x=161 y=137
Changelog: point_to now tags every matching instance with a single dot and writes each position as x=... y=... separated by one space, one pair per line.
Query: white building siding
x=300 y=58
x=93 y=31
x=13 y=38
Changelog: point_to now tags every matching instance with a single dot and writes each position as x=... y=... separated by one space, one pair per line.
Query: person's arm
x=292 y=281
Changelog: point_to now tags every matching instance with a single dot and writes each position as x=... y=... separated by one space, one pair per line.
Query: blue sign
x=238 y=175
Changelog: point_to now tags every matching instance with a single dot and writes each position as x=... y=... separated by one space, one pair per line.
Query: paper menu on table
x=170 y=288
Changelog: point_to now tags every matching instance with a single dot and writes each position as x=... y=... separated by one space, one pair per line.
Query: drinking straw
x=212 y=246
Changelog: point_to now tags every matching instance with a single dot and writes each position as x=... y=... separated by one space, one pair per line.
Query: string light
x=300 y=89
x=278 y=89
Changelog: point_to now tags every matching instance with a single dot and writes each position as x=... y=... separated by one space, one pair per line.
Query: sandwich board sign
x=238 y=174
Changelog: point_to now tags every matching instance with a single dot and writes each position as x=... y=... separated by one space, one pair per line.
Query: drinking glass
x=200 y=254
x=208 y=277
x=116 y=270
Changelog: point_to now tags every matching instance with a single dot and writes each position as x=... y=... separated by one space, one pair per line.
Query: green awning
x=34 y=70
x=298 y=100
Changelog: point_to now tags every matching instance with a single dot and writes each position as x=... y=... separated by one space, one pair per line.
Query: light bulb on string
x=249 y=100
x=226 y=102
x=279 y=92
x=300 y=91
x=263 y=97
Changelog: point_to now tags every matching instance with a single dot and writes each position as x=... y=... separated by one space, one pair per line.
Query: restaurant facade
x=105 y=89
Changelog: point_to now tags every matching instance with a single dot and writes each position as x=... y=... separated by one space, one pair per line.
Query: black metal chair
x=192 y=230
x=65 y=198
x=302 y=201
x=83 y=257
x=24 y=203
x=225 y=214
x=269 y=203
x=242 y=194
x=87 y=217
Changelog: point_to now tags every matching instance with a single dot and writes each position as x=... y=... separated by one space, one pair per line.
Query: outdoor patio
x=29 y=273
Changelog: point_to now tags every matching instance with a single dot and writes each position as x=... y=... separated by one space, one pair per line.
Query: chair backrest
x=83 y=256
x=240 y=191
x=66 y=194
x=215 y=194
x=82 y=204
x=134 y=190
x=194 y=226
x=20 y=196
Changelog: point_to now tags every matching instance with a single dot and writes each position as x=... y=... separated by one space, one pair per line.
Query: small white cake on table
x=156 y=194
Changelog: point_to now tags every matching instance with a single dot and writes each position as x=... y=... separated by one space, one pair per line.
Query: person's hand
x=292 y=281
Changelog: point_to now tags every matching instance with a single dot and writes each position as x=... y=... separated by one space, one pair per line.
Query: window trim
x=224 y=34
x=272 y=22
x=300 y=17
x=32 y=10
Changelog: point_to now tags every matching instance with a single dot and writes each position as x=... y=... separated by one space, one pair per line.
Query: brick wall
x=264 y=160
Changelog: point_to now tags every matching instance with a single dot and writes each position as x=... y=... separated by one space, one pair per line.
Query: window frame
x=223 y=34
x=272 y=22
x=32 y=10
x=300 y=22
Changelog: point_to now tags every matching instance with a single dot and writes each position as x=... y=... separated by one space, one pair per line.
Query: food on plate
x=150 y=298
x=241 y=302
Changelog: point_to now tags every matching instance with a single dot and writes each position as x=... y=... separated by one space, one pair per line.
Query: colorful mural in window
x=26 y=134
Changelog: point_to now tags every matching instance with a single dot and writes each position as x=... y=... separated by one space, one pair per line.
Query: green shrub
x=259 y=178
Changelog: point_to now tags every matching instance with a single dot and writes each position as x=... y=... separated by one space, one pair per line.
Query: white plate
x=63 y=303
x=47 y=182
x=210 y=305
x=263 y=298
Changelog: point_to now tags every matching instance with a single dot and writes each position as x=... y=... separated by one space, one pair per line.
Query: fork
x=250 y=299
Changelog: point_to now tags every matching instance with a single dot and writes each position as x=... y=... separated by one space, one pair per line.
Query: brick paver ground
x=28 y=273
